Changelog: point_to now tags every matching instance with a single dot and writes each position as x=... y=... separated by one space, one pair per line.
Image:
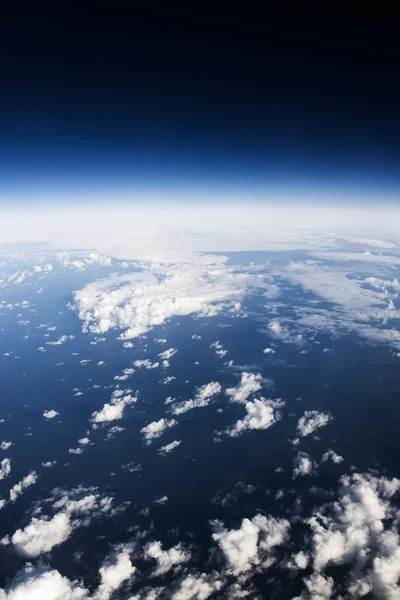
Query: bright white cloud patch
x=166 y=559
x=75 y=510
x=168 y=448
x=156 y=429
x=114 y=571
x=50 y=414
x=249 y=383
x=19 y=487
x=5 y=445
x=202 y=397
x=139 y=301
x=311 y=421
x=252 y=544
x=261 y=414
x=331 y=455
x=5 y=468
x=113 y=410
x=303 y=465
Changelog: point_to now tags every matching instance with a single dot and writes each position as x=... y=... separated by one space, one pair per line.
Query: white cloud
x=360 y=529
x=167 y=354
x=331 y=455
x=75 y=450
x=5 y=445
x=169 y=447
x=261 y=414
x=50 y=414
x=114 y=410
x=268 y=351
x=219 y=349
x=42 y=534
x=139 y=301
x=19 y=487
x=61 y=340
x=197 y=587
x=311 y=421
x=249 y=383
x=202 y=397
x=146 y=363
x=166 y=559
x=252 y=544
x=114 y=571
x=303 y=465
x=156 y=429
x=5 y=468
x=48 y=464
x=44 y=583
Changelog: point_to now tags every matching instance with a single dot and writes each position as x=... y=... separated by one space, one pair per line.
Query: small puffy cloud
x=202 y=398
x=48 y=464
x=42 y=583
x=166 y=559
x=261 y=414
x=5 y=445
x=156 y=429
x=146 y=364
x=114 y=410
x=50 y=414
x=252 y=544
x=167 y=354
x=5 y=468
x=61 y=340
x=19 y=487
x=169 y=447
x=268 y=351
x=75 y=450
x=114 y=571
x=167 y=380
x=197 y=587
x=331 y=455
x=75 y=510
x=303 y=465
x=219 y=349
x=311 y=421
x=249 y=383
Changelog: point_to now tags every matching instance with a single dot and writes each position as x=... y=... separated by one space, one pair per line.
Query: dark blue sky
x=290 y=96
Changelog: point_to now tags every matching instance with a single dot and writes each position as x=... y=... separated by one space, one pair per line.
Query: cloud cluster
x=5 y=468
x=113 y=410
x=139 y=301
x=168 y=448
x=72 y=510
x=50 y=414
x=19 y=487
x=166 y=559
x=311 y=421
x=202 y=397
x=252 y=544
x=249 y=383
x=261 y=414
x=155 y=429
x=304 y=465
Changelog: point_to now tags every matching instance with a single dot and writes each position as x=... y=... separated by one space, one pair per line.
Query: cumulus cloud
x=75 y=509
x=113 y=410
x=311 y=421
x=252 y=544
x=146 y=364
x=197 y=587
x=19 y=487
x=44 y=583
x=303 y=465
x=359 y=529
x=166 y=559
x=202 y=397
x=249 y=383
x=331 y=455
x=50 y=414
x=5 y=468
x=156 y=429
x=219 y=349
x=261 y=414
x=5 y=445
x=139 y=301
x=114 y=571
x=169 y=447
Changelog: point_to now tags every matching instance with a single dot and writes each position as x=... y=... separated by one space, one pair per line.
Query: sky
x=292 y=98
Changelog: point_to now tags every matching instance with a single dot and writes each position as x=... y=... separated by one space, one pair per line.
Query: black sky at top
x=287 y=84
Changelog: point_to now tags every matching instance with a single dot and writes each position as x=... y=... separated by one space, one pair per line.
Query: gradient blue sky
x=302 y=99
